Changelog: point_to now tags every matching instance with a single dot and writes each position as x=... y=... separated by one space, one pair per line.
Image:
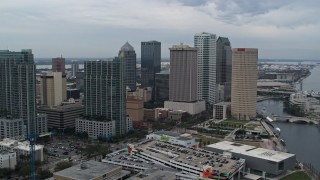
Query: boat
x=278 y=130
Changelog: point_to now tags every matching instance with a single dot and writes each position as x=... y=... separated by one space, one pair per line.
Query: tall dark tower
x=150 y=63
x=128 y=54
x=224 y=69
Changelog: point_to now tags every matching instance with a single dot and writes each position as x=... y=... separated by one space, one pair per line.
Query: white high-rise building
x=206 y=44
x=74 y=68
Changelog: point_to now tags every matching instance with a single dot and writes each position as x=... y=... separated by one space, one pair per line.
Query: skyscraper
x=128 y=54
x=224 y=65
x=206 y=45
x=74 y=68
x=161 y=90
x=183 y=74
x=53 y=88
x=105 y=92
x=183 y=80
x=58 y=65
x=17 y=87
x=244 y=83
x=150 y=62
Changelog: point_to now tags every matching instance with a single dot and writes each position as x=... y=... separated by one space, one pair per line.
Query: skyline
x=280 y=30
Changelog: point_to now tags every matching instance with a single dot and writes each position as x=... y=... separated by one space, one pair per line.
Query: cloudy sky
x=98 y=28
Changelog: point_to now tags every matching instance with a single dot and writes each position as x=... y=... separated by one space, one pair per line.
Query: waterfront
x=312 y=81
x=301 y=139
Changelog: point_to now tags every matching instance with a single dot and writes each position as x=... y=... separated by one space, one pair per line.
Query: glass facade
x=150 y=62
x=206 y=44
x=17 y=87
x=129 y=56
x=224 y=68
x=105 y=92
x=162 y=87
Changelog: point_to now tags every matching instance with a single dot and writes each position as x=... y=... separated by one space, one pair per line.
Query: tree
x=62 y=165
x=5 y=172
x=24 y=171
x=44 y=174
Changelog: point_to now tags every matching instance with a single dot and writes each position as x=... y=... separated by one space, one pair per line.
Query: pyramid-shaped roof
x=127 y=47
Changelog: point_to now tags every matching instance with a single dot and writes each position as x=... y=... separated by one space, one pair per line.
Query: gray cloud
x=284 y=13
x=98 y=28
x=194 y=2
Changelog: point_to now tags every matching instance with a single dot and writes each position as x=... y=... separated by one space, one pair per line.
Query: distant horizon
x=165 y=59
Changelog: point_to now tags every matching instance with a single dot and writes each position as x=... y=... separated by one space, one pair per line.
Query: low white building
x=15 y=128
x=190 y=107
x=220 y=110
x=21 y=148
x=8 y=159
x=42 y=124
x=12 y=128
x=307 y=104
x=96 y=129
x=174 y=138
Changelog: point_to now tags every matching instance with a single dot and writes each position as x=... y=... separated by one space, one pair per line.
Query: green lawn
x=234 y=121
x=299 y=175
x=206 y=140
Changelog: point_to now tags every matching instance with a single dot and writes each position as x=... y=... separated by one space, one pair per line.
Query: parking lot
x=63 y=149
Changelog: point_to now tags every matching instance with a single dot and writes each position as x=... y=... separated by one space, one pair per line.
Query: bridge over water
x=269 y=92
x=294 y=119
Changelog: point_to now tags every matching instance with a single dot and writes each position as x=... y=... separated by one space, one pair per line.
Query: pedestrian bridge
x=293 y=119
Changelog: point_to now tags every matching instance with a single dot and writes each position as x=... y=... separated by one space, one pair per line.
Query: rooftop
x=91 y=170
x=155 y=174
x=252 y=151
x=271 y=83
x=182 y=47
x=150 y=156
x=223 y=103
x=15 y=144
x=127 y=47
x=62 y=107
x=168 y=133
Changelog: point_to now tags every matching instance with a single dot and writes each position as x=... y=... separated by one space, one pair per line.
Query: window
x=281 y=165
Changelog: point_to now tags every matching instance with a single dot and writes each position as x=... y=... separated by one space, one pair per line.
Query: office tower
x=150 y=62
x=183 y=80
x=161 y=87
x=128 y=54
x=244 y=83
x=58 y=65
x=74 y=68
x=17 y=87
x=223 y=68
x=105 y=92
x=62 y=117
x=183 y=74
x=206 y=45
x=53 y=89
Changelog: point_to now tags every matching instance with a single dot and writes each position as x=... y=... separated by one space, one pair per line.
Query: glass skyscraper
x=105 y=92
x=206 y=45
x=150 y=63
x=17 y=87
x=224 y=68
x=129 y=56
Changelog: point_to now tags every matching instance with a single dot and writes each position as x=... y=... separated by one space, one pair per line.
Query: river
x=301 y=139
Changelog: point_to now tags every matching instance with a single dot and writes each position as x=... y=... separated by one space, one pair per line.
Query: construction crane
x=32 y=143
